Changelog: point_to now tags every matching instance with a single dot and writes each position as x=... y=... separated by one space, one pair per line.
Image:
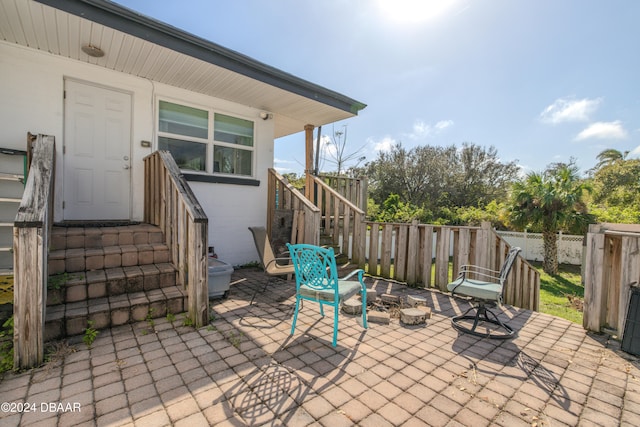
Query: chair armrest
x=479 y=271
x=275 y=261
x=359 y=272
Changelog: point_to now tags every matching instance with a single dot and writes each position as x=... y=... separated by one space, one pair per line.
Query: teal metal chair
x=485 y=287
x=317 y=280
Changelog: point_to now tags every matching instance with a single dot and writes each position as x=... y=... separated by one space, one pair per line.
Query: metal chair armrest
x=359 y=272
x=275 y=261
x=479 y=271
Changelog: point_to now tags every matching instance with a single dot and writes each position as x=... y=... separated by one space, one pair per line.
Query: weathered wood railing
x=612 y=265
x=282 y=196
x=430 y=256
x=352 y=189
x=341 y=220
x=170 y=204
x=31 y=232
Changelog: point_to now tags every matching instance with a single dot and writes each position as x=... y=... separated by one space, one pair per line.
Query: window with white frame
x=205 y=141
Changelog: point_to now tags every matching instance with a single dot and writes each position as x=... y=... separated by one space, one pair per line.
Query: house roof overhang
x=141 y=46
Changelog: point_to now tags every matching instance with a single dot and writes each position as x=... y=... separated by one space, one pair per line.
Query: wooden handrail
x=170 y=204
x=337 y=195
x=306 y=216
x=354 y=189
x=342 y=221
x=31 y=232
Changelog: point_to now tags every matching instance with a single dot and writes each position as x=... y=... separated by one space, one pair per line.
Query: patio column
x=308 y=164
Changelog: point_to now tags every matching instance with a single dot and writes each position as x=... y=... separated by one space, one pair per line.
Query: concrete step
x=64 y=320
x=87 y=285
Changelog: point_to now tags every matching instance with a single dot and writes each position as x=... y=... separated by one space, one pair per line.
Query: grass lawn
x=561 y=294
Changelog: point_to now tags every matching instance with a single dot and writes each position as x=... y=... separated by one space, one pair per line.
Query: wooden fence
x=418 y=254
x=170 y=204
x=31 y=231
x=612 y=265
x=282 y=196
x=431 y=255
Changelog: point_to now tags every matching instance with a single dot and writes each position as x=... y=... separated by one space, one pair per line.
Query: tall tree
x=609 y=156
x=549 y=202
x=435 y=177
x=617 y=184
x=480 y=176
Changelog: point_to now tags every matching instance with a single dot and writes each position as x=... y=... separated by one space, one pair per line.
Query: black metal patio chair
x=485 y=288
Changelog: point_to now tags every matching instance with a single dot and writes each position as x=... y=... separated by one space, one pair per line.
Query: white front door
x=97 y=151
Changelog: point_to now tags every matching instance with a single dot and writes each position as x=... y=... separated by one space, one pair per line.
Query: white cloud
x=635 y=153
x=443 y=124
x=327 y=148
x=383 y=145
x=570 y=110
x=422 y=130
x=603 y=130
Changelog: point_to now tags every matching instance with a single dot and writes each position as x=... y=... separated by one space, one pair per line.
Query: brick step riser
x=116 y=281
x=78 y=260
x=71 y=319
x=101 y=237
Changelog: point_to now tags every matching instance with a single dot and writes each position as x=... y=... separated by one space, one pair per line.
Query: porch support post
x=308 y=165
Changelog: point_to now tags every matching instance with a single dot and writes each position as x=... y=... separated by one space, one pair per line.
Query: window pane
x=187 y=154
x=233 y=130
x=183 y=120
x=232 y=160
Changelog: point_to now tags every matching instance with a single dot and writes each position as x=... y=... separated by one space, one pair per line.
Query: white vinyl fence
x=570 y=247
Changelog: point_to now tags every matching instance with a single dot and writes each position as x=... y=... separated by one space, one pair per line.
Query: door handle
x=126 y=167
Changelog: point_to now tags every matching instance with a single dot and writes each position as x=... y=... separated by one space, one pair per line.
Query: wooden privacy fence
x=170 y=204
x=283 y=197
x=612 y=265
x=431 y=256
x=31 y=231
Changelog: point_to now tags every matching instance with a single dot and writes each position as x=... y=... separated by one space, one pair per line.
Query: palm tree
x=549 y=202
x=610 y=156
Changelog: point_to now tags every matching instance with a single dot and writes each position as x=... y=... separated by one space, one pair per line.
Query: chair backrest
x=508 y=263
x=314 y=266
x=263 y=246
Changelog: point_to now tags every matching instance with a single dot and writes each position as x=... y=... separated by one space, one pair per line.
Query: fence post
x=595 y=289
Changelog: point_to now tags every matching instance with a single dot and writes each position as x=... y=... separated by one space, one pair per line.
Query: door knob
x=126 y=166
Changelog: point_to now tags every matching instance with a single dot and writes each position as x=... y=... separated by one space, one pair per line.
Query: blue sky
x=541 y=80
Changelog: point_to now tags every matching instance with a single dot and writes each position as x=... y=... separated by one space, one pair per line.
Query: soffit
x=42 y=27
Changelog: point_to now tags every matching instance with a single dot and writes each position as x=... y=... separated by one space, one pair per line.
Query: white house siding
x=32 y=84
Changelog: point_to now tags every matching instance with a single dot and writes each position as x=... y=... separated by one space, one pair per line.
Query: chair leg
x=264 y=288
x=364 y=308
x=295 y=316
x=335 y=325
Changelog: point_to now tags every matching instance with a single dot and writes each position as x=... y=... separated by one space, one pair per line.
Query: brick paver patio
x=245 y=369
